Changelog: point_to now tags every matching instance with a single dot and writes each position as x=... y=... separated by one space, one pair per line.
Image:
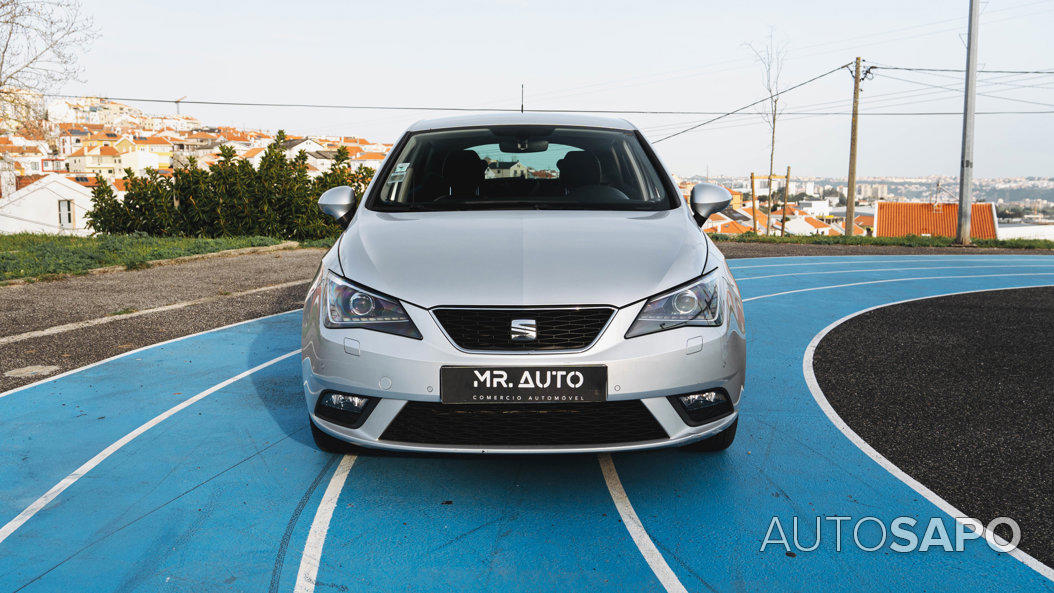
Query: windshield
x=522 y=167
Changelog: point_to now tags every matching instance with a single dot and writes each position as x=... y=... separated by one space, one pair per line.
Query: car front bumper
x=398 y=370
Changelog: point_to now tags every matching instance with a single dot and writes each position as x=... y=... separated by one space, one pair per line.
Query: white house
x=293 y=147
x=50 y=204
x=139 y=161
x=807 y=225
x=816 y=208
x=372 y=160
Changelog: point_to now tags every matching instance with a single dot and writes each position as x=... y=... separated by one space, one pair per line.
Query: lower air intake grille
x=524 y=424
x=571 y=328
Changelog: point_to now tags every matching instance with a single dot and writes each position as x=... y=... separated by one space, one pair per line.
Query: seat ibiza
x=523 y=283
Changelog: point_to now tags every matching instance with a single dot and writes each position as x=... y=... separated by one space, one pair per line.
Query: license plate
x=522 y=385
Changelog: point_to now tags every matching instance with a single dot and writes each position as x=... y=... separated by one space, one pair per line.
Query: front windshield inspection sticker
x=399 y=173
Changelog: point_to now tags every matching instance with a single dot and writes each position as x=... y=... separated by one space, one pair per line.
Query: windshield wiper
x=518 y=204
x=425 y=207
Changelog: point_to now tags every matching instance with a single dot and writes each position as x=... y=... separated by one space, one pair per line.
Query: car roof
x=512 y=118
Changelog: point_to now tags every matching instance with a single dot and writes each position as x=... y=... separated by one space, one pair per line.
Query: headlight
x=698 y=303
x=347 y=305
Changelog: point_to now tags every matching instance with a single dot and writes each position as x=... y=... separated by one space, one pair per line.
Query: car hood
x=522 y=258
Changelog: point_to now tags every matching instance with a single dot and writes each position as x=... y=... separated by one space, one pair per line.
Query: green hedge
x=230 y=198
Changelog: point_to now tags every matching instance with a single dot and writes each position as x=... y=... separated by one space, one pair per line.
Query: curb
x=284 y=245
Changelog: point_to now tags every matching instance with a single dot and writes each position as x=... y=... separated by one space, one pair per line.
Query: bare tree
x=771 y=57
x=40 y=41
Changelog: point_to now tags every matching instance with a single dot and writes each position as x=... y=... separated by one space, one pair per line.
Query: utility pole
x=786 y=198
x=753 y=204
x=772 y=204
x=962 y=233
x=850 y=192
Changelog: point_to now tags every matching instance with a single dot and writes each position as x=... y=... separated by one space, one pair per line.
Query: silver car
x=523 y=283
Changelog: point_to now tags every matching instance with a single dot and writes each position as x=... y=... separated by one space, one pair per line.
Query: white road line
x=316 y=537
x=138 y=350
x=78 y=473
x=112 y=318
x=891 y=259
x=1001 y=265
x=821 y=400
x=636 y=529
x=765 y=296
x=647 y=547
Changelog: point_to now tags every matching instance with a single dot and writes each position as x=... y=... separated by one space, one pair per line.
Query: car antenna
x=523 y=88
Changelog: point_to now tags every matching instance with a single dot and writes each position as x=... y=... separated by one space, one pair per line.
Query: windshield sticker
x=399 y=173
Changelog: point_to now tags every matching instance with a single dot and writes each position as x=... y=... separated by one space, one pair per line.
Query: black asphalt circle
x=958 y=392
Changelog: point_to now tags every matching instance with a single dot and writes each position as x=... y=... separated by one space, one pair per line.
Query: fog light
x=345 y=409
x=698 y=401
x=344 y=401
x=698 y=408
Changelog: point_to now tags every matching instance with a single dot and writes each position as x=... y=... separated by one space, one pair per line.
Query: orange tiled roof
x=865 y=220
x=816 y=223
x=11 y=148
x=24 y=180
x=729 y=228
x=108 y=151
x=857 y=230
x=369 y=156
x=152 y=140
x=252 y=152
x=897 y=219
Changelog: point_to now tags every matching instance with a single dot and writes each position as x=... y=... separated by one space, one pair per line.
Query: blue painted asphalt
x=221 y=495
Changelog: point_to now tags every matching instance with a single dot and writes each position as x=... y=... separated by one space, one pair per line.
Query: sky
x=668 y=56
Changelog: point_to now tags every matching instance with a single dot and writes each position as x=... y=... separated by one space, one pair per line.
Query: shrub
x=230 y=198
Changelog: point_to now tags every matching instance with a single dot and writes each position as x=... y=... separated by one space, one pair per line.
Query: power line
x=961 y=70
x=759 y=101
x=937 y=86
x=722 y=114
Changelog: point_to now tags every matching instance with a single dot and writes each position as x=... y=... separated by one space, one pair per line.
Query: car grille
x=524 y=424
x=571 y=328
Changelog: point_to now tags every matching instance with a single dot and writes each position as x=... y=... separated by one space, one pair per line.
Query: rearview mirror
x=708 y=198
x=338 y=202
x=521 y=145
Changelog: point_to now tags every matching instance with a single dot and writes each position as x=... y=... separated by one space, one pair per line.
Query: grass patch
x=906 y=241
x=324 y=243
x=43 y=257
x=125 y=311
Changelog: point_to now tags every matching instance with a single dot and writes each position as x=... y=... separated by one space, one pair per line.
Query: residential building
x=101 y=160
x=47 y=203
x=502 y=169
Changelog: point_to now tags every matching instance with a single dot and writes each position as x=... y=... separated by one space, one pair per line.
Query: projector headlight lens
x=697 y=304
x=347 y=306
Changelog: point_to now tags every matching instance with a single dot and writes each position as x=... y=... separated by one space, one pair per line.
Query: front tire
x=718 y=442
x=331 y=444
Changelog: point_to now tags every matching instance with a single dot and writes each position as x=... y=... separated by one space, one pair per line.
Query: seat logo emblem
x=524 y=330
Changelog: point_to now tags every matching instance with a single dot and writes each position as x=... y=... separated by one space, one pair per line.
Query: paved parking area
x=214 y=289
x=188 y=466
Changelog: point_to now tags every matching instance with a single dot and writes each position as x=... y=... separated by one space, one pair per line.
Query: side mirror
x=708 y=198
x=338 y=202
